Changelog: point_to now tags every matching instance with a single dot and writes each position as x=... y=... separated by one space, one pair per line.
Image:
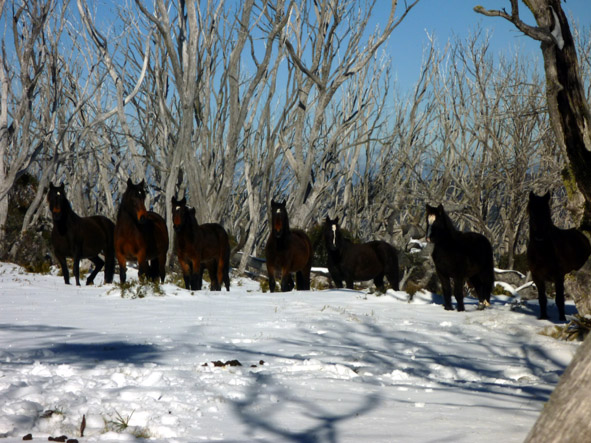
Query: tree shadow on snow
x=27 y=348
x=507 y=375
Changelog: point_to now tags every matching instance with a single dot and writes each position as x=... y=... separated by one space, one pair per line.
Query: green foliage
x=139 y=288
x=575 y=330
x=264 y=284
x=499 y=290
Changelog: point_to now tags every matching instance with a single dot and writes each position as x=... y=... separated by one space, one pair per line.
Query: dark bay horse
x=288 y=250
x=80 y=237
x=140 y=235
x=200 y=247
x=461 y=257
x=351 y=262
x=552 y=252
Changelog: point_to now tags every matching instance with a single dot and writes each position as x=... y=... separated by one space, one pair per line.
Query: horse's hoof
x=448 y=308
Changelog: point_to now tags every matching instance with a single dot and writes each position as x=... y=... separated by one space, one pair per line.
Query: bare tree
x=567 y=105
x=21 y=141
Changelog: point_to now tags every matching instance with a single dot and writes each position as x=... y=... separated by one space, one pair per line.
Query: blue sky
x=448 y=18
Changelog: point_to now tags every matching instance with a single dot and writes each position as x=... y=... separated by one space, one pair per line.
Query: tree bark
x=567 y=105
x=566 y=415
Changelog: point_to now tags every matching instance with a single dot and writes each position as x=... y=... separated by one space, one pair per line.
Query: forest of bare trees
x=235 y=103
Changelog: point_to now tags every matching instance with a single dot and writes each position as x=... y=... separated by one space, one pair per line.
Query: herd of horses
x=459 y=257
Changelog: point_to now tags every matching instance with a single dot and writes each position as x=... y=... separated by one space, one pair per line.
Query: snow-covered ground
x=319 y=366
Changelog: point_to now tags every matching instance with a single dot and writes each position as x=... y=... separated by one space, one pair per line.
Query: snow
x=333 y=365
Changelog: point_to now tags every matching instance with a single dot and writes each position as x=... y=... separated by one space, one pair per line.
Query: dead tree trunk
x=566 y=415
x=567 y=106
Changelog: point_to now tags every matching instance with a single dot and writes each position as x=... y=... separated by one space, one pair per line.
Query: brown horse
x=461 y=257
x=552 y=252
x=140 y=235
x=288 y=250
x=200 y=246
x=351 y=262
x=80 y=237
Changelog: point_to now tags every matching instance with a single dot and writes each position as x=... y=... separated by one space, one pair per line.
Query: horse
x=200 y=246
x=287 y=250
x=461 y=257
x=351 y=262
x=80 y=237
x=552 y=252
x=140 y=235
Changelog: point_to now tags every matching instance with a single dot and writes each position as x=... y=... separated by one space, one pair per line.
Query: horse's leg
x=220 y=271
x=122 y=266
x=392 y=275
x=143 y=265
x=213 y=276
x=349 y=282
x=98 y=265
x=300 y=281
x=379 y=282
x=446 y=287
x=559 y=284
x=77 y=268
x=198 y=277
x=303 y=280
x=64 y=265
x=287 y=283
x=271 y=276
x=186 y=270
x=478 y=286
x=109 y=265
x=541 y=285
x=226 y=275
x=459 y=293
x=162 y=266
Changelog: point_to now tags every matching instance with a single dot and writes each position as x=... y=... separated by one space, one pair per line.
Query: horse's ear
x=183 y=201
x=129 y=182
x=61 y=185
x=173 y=200
x=143 y=184
x=283 y=203
x=531 y=194
x=547 y=196
x=51 y=186
x=440 y=208
x=336 y=220
x=192 y=211
x=272 y=201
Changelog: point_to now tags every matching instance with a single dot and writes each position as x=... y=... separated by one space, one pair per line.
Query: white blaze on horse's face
x=334 y=235
x=178 y=208
x=278 y=212
x=430 y=220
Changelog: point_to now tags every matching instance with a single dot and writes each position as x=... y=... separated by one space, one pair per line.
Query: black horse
x=80 y=237
x=461 y=257
x=351 y=262
x=552 y=252
x=200 y=246
x=288 y=250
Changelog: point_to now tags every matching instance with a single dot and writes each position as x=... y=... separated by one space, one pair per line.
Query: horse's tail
x=224 y=266
x=390 y=260
x=109 y=251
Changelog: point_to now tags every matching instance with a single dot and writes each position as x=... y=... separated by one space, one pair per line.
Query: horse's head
x=58 y=203
x=133 y=200
x=180 y=210
x=437 y=222
x=538 y=208
x=332 y=234
x=279 y=220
